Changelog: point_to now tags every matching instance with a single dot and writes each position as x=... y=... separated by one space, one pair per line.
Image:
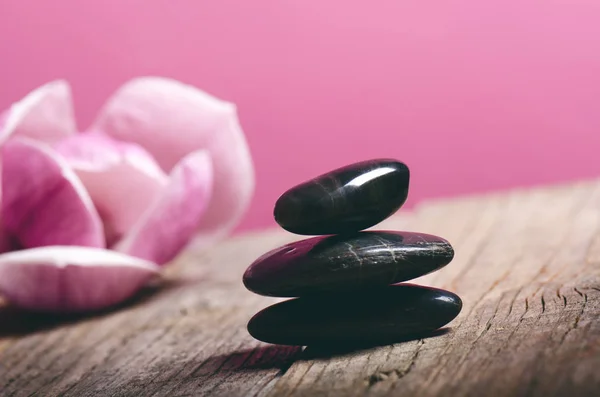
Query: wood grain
x=527 y=266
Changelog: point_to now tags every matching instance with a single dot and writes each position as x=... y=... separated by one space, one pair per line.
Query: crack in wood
x=578 y=318
x=561 y=297
x=512 y=303
x=543 y=304
x=575 y=324
x=77 y=360
x=464 y=321
x=514 y=330
x=396 y=373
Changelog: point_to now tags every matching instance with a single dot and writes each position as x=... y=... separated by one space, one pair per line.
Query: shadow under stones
x=282 y=356
x=261 y=358
x=231 y=366
x=15 y=322
x=274 y=357
x=341 y=349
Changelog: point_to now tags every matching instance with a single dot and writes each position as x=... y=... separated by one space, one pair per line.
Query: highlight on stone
x=345 y=280
x=354 y=197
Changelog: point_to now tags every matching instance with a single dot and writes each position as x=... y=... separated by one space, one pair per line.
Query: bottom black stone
x=372 y=317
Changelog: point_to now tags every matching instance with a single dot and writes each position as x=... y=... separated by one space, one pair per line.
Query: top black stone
x=345 y=200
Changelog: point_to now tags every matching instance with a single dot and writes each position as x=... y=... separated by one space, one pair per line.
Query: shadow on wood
x=263 y=357
x=330 y=351
x=18 y=322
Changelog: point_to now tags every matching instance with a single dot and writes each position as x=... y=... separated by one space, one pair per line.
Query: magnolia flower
x=88 y=218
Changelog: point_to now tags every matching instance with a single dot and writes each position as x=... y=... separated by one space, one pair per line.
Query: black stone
x=388 y=315
x=346 y=262
x=348 y=199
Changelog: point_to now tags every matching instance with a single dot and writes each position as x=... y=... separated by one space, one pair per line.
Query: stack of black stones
x=347 y=282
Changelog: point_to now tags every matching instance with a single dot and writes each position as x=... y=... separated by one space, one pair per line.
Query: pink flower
x=89 y=218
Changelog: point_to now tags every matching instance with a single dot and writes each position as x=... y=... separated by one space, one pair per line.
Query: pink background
x=473 y=95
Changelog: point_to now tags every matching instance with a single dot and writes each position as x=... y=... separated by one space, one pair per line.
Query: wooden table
x=527 y=267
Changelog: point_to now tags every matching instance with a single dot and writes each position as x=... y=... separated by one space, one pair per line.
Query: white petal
x=45 y=114
x=71 y=279
x=121 y=178
x=170 y=120
x=170 y=223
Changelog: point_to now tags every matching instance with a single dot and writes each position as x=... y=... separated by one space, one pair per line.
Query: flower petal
x=6 y=243
x=121 y=178
x=171 y=119
x=71 y=279
x=44 y=203
x=45 y=114
x=3 y=118
x=170 y=223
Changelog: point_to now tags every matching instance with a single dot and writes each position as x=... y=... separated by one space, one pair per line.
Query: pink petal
x=45 y=114
x=168 y=226
x=71 y=279
x=6 y=243
x=121 y=178
x=171 y=119
x=44 y=203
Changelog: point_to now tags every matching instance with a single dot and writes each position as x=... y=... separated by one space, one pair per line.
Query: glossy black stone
x=346 y=262
x=382 y=316
x=348 y=199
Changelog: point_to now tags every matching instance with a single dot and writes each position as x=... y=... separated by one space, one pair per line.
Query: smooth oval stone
x=345 y=262
x=389 y=315
x=348 y=199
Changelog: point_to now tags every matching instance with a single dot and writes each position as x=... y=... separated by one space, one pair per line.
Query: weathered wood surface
x=527 y=267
